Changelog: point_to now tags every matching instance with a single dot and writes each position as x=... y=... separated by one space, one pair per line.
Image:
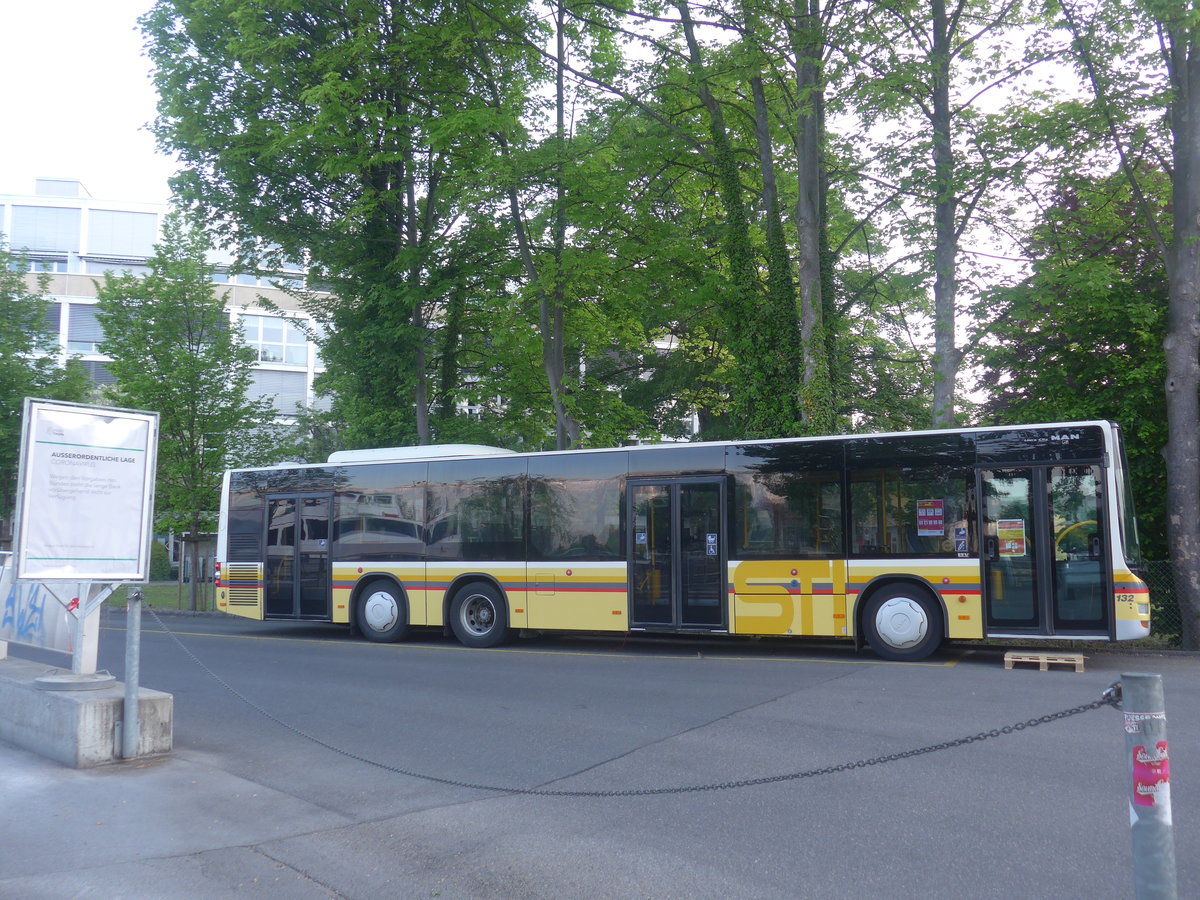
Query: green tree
x=30 y=365
x=1148 y=119
x=355 y=135
x=173 y=352
x=951 y=98
x=1082 y=337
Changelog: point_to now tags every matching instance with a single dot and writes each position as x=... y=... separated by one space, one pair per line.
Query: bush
x=1166 y=619
x=160 y=563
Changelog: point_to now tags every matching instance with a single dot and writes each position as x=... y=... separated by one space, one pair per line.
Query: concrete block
x=77 y=728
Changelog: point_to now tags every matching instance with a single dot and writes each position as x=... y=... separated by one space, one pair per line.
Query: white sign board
x=86 y=493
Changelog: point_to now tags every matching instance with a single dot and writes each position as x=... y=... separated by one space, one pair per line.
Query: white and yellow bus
x=899 y=540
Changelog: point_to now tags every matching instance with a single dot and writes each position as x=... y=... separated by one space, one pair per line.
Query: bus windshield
x=1125 y=508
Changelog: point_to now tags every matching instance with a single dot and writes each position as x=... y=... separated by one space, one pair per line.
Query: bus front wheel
x=381 y=613
x=903 y=622
x=479 y=616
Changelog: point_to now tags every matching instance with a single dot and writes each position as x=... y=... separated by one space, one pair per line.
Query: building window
x=84 y=334
x=286 y=282
x=98 y=372
x=287 y=391
x=276 y=340
x=45 y=228
x=50 y=264
x=122 y=233
x=53 y=320
x=115 y=266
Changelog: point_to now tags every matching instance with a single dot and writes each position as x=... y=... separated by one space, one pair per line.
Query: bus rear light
x=217 y=574
x=1143 y=609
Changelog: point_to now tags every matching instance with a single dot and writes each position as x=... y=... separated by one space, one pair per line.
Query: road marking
x=619 y=654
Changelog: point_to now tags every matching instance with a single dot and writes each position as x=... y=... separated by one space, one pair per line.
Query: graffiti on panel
x=26 y=620
x=32 y=615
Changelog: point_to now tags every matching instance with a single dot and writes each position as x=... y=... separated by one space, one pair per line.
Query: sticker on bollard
x=1151 y=774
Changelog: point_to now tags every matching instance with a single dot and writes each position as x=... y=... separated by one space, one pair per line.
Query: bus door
x=677 y=552
x=297 y=575
x=1045 y=558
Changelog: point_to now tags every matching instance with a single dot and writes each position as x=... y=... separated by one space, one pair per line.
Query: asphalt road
x=389 y=770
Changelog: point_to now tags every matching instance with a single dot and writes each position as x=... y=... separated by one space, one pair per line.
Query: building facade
x=74 y=239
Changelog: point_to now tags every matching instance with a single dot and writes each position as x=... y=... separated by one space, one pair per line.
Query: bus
x=899 y=541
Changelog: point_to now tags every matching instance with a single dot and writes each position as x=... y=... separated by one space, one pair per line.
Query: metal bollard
x=131 y=728
x=1150 y=788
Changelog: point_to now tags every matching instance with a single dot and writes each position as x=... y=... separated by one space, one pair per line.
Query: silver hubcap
x=478 y=614
x=380 y=611
x=902 y=622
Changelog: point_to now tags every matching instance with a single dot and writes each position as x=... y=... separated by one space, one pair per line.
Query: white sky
x=77 y=99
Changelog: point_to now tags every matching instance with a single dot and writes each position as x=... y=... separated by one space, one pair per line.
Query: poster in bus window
x=931 y=518
x=1011 y=535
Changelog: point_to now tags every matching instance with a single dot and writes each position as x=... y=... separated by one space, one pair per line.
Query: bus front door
x=297 y=576
x=676 y=551
x=1045 y=567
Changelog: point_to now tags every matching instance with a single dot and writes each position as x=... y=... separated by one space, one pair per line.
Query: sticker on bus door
x=931 y=518
x=960 y=541
x=1011 y=534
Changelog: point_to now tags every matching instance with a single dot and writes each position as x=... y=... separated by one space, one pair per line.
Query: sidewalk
x=154 y=828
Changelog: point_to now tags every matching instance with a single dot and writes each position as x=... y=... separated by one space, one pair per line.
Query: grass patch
x=166 y=595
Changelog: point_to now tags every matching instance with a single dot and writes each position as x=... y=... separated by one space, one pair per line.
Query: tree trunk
x=451 y=340
x=807 y=47
x=1182 y=343
x=945 y=286
x=550 y=307
x=412 y=241
x=781 y=290
x=550 y=316
x=755 y=391
x=193 y=555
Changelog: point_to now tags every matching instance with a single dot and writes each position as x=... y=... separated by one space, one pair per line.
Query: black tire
x=381 y=612
x=903 y=622
x=479 y=615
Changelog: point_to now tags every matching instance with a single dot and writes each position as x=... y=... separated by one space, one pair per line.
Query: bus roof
x=406 y=454
x=435 y=452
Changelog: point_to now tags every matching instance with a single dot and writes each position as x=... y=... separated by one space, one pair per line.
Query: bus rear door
x=297 y=576
x=677 y=548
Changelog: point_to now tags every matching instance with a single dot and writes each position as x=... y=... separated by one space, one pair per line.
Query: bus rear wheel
x=903 y=622
x=479 y=616
x=381 y=613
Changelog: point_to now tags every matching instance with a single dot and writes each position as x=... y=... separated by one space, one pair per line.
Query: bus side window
x=910 y=510
x=575 y=519
x=787 y=515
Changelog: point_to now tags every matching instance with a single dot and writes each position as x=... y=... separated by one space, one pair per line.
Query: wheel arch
x=881 y=582
x=369 y=578
x=461 y=581
x=379 y=623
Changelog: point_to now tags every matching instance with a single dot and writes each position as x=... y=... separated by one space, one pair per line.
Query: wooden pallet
x=1044 y=660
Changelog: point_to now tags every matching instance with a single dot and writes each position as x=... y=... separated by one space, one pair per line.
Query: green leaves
x=29 y=361
x=483 y=255
x=175 y=352
x=1082 y=339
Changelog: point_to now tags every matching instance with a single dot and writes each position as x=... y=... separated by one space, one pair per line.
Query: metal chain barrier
x=1110 y=697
